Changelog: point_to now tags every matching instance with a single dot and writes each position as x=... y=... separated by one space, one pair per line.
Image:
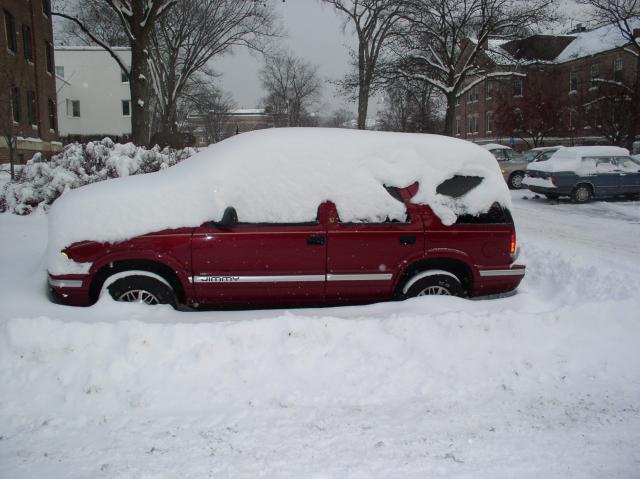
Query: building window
x=60 y=71
x=10 y=30
x=52 y=115
x=488 y=89
x=618 y=66
x=26 y=43
x=126 y=107
x=457 y=125
x=457 y=101
x=473 y=94
x=49 y=54
x=124 y=76
x=73 y=108
x=46 y=7
x=517 y=87
x=572 y=119
x=595 y=74
x=573 y=81
x=489 y=121
x=31 y=107
x=473 y=124
x=15 y=103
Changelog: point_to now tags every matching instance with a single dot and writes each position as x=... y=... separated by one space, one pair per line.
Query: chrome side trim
x=292 y=278
x=502 y=272
x=65 y=283
x=360 y=277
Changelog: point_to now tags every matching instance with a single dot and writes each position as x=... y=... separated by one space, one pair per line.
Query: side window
x=605 y=164
x=496 y=215
x=458 y=185
x=627 y=164
x=394 y=192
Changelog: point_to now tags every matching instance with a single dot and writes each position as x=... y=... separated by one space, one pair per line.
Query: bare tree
x=197 y=30
x=137 y=18
x=292 y=86
x=410 y=106
x=202 y=98
x=8 y=128
x=447 y=39
x=624 y=15
x=374 y=22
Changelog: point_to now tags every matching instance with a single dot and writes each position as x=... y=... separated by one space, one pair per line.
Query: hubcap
x=435 y=290
x=582 y=194
x=138 y=296
x=516 y=181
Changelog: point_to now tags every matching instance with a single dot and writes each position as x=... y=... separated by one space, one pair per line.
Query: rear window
x=458 y=185
x=496 y=215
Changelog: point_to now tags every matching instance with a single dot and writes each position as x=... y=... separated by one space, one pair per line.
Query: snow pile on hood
x=570 y=159
x=40 y=182
x=280 y=175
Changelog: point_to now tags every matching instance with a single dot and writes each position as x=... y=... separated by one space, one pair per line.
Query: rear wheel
x=515 y=180
x=581 y=194
x=142 y=289
x=435 y=285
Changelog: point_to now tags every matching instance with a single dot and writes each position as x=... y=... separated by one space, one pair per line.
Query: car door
x=253 y=263
x=605 y=177
x=629 y=175
x=364 y=259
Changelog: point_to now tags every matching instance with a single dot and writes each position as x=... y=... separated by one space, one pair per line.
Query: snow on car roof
x=568 y=159
x=495 y=146
x=279 y=175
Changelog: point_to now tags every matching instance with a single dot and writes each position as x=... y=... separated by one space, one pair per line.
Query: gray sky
x=314 y=33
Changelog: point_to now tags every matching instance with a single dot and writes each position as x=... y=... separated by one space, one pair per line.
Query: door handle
x=407 y=240
x=315 y=240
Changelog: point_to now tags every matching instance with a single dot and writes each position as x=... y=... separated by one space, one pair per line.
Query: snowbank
x=40 y=182
x=279 y=175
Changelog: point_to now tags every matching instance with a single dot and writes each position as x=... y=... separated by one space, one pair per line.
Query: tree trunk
x=138 y=85
x=363 y=105
x=450 y=115
x=12 y=161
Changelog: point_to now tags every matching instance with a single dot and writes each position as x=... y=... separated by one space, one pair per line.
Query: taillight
x=512 y=246
x=553 y=180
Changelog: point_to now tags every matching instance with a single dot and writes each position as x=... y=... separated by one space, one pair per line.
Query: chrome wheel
x=516 y=181
x=435 y=291
x=138 y=296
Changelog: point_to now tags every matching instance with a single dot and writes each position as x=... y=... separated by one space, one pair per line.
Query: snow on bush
x=280 y=175
x=40 y=182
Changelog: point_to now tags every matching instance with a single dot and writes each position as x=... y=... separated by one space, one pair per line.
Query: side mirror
x=229 y=218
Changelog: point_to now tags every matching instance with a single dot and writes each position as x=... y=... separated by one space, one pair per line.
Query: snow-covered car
x=585 y=172
x=512 y=165
x=292 y=216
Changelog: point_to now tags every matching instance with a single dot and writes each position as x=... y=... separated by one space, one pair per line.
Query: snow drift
x=279 y=175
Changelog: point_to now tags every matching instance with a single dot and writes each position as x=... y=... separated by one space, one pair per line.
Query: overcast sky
x=315 y=33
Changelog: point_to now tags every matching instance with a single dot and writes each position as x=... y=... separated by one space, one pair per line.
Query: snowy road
x=545 y=383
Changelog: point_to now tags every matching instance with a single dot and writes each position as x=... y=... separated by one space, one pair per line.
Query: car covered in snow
x=512 y=164
x=585 y=172
x=292 y=216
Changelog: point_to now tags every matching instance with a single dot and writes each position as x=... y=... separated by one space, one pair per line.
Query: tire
x=515 y=180
x=552 y=196
x=581 y=194
x=142 y=289
x=436 y=285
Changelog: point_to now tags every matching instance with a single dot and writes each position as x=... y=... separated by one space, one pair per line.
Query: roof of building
x=557 y=48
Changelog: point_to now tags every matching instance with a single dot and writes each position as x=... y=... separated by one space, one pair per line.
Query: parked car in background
x=511 y=163
x=585 y=172
x=292 y=216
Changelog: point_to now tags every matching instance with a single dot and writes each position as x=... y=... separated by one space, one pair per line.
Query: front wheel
x=435 y=285
x=142 y=289
x=515 y=180
x=581 y=194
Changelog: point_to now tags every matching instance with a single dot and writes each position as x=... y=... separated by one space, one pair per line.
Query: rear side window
x=458 y=185
x=496 y=215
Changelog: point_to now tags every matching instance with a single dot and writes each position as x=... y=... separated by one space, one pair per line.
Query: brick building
x=565 y=67
x=27 y=79
x=208 y=128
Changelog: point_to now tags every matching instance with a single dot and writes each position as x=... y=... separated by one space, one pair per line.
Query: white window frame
x=70 y=109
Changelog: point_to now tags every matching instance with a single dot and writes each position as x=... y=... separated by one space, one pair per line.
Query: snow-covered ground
x=542 y=384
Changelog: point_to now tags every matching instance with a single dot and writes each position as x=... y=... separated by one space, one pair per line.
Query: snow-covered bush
x=40 y=182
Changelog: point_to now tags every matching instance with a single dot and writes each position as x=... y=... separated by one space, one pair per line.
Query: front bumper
x=72 y=290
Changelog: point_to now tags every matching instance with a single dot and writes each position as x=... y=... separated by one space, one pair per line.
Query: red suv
x=326 y=261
